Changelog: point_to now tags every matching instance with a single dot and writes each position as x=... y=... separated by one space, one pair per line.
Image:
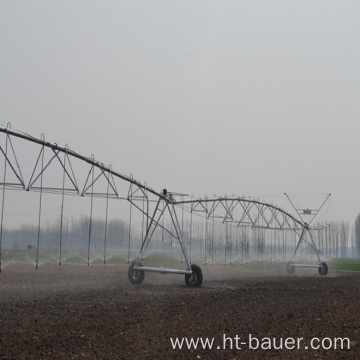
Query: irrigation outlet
x=232 y=211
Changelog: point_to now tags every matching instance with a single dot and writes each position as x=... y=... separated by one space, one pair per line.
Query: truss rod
x=70 y=152
x=245 y=203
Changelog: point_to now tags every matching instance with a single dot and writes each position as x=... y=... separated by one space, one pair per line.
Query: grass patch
x=116 y=259
x=265 y=265
x=161 y=260
x=75 y=259
x=344 y=264
x=19 y=256
x=28 y=256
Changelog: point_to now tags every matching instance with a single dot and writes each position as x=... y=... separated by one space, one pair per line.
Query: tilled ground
x=80 y=312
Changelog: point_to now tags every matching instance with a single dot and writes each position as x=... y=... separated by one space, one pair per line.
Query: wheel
x=136 y=277
x=323 y=269
x=195 y=279
x=290 y=268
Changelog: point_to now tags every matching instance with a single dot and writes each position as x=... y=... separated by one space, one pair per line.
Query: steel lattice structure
x=235 y=211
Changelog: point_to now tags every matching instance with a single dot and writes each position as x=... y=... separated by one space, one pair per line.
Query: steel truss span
x=235 y=212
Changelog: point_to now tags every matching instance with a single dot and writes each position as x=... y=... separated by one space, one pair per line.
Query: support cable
x=212 y=240
x=182 y=227
x=3 y=204
x=191 y=229
x=91 y=212
x=143 y=218
x=106 y=217
x=62 y=209
x=129 y=235
x=40 y=202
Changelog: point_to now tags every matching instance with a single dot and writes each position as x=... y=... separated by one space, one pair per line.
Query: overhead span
x=236 y=210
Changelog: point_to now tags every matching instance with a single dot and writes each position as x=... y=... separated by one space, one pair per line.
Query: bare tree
x=357 y=234
x=344 y=237
x=334 y=234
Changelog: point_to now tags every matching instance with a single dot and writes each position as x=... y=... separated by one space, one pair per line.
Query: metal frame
x=237 y=211
x=307 y=230
x=168 y=201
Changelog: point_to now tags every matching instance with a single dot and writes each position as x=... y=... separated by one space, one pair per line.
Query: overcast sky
x=252 y=98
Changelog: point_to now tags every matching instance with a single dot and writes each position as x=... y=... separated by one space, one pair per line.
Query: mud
x=81 y=312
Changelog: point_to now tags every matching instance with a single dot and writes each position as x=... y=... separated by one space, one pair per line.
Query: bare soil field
x=81 y=312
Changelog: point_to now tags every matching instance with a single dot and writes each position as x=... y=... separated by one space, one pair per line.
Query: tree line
x=337 y=240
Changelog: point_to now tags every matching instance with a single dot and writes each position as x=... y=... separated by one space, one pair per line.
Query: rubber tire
x=290 y=268
x=136 y=277
x=324 y=269
x=195 y=279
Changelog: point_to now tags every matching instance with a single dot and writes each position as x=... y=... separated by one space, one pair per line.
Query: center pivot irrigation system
x=153 y=205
